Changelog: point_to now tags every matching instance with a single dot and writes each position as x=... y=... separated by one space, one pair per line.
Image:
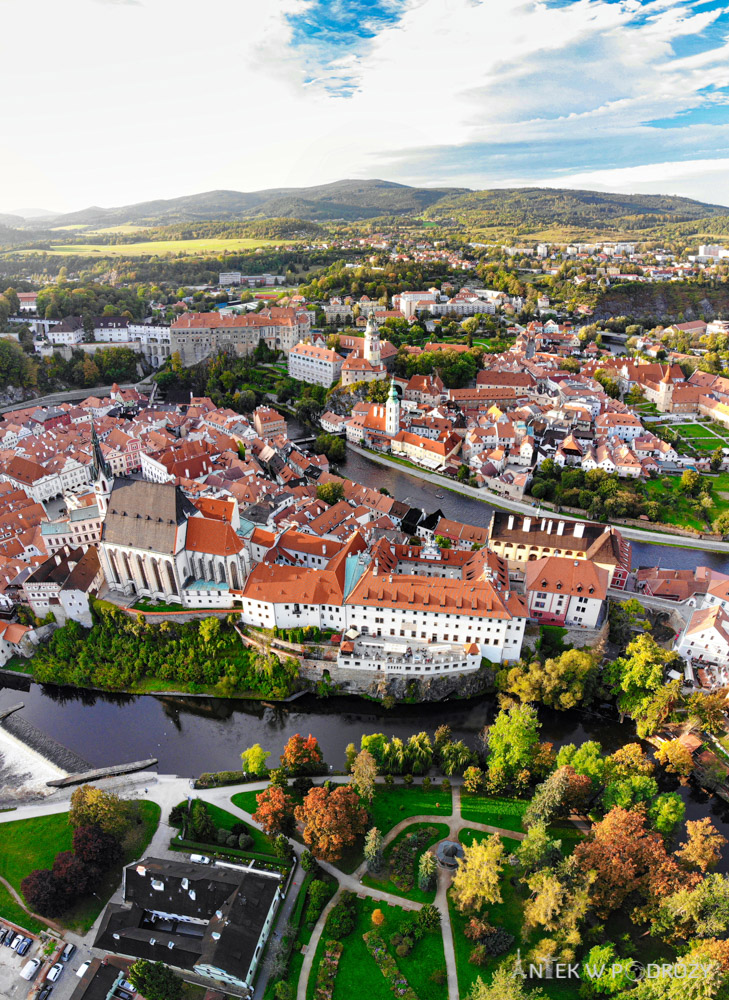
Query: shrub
x=439 y=977
x=403 y=949
x=302 y=785
x=232 y=841
x=404 y=857
x=245 y=841
x=498 y=941
x=378 y=917
x=389 y=780
x=478 y=956
x=426 y=783
x=319 y=893
x=177 y=814
x=408 y=779
x=343 y=917
x=308 y=862
x=445 y=785
x=222 y=836
x=428 y=917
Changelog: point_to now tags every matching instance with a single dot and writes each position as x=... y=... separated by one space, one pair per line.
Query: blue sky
x=158 y=98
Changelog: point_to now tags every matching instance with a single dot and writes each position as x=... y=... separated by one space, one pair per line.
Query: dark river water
x=192 y=735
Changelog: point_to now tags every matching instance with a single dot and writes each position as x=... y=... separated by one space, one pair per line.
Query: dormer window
x=157 y=884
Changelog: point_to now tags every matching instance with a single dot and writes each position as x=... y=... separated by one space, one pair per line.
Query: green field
x=391 y=805
x=161 y=248
x=359 y=976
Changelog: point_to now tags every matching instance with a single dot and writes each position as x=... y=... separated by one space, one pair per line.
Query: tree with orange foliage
x=378 y=918
x=275 y=810
x=302 y=756
x=626 y=858
x=702 y=850
x=333 y=819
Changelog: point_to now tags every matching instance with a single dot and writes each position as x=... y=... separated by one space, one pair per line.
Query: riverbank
x=649 y=536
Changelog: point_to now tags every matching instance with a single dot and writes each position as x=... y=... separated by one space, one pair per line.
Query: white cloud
x=127 y=101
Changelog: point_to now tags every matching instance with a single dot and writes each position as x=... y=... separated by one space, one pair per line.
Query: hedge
x=189 y=845
x=215 y=779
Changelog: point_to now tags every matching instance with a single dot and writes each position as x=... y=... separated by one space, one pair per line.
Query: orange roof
x=214 y=537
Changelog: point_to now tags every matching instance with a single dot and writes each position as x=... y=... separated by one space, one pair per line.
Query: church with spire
x=364 y=364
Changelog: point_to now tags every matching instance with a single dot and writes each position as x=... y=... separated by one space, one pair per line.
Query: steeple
x=101 y=474
x=392 y=411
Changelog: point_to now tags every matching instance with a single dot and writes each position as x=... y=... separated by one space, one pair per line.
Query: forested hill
x=349 y=200
x=529 y=210
x=505 y=213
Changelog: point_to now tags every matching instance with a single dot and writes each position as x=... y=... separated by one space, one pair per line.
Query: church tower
x=372 y=341
x=392 y=412
x=100 y=473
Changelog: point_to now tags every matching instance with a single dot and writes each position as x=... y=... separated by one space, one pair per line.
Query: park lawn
x=359 y=976
x=674 y=506
x=33 y=843
x=493 y=811
x=27 y=844
x=467 y=837
x=391 y=805
x=693 y=430
x=245 y=801
x=12 y=911
x=384 y=882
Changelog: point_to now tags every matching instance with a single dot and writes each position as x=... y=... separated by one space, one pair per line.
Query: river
x=192 y=735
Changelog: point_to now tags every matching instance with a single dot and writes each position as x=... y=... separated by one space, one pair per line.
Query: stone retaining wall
x=44 y=744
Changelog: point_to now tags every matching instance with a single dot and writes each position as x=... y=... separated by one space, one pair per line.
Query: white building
x=568 y=592
x=704 y=643
x=315 y=365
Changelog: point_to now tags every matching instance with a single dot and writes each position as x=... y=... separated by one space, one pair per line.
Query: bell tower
x=100 y=473
x=372 y=341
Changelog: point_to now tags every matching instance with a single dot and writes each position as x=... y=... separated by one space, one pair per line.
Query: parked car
x=45 y=993
x=83 y=969
x=25 y=946
x=200 y=859
x=8 y=942
x=67 y=952
x=54 y=972
x=126 y=985
x=3 y=934
x=18 y=941
x=30 y=968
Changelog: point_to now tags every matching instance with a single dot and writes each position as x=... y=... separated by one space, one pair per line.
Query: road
x=523 y=507
x=73 y=395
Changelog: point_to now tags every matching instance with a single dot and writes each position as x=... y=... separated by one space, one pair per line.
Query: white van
x=201 y=859
x=30 y=968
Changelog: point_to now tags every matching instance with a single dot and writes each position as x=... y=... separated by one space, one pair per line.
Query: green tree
x=254 y=760
x=604 y=974
x=476 y=880
x=506 y=984
x=513 y=742
x=155 y=981
x=562 y=682
x=330 y=493
x=91 y=806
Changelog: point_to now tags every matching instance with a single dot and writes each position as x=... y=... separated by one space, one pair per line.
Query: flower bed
x=327 y=972
x=388 y=966
x=405 y=855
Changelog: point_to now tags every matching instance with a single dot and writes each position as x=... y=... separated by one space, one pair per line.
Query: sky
x=112 y=102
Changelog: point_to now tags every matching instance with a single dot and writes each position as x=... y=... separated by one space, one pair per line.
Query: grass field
x=359 y=976
x=156 y=248
x=383 y=881
x=33 y=843
x=391 y=805
x=493 y=811
x=10 y=910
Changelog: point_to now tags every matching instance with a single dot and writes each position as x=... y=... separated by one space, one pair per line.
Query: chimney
x=579 y=529
x=560 y=527
x=549 y=527
x=511 y=521
x=527 y=523
x=541 y=526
